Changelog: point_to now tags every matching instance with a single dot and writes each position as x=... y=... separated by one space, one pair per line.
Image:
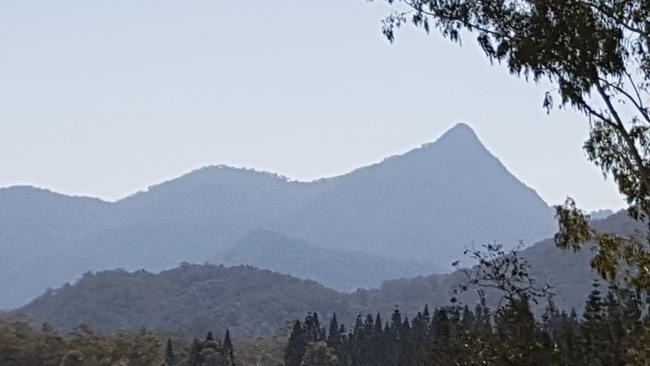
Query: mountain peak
x=461 y=133
x=460 y=138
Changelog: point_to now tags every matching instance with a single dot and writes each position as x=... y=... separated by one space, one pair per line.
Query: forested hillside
x=193 y=299
x=249 y=301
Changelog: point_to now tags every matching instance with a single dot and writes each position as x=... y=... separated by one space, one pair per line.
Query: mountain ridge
x=426 y=205
x=460 y=128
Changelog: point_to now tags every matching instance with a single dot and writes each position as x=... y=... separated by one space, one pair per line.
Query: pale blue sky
x=104 y=98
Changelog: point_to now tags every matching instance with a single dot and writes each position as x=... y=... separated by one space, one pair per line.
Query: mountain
x=337 y=269
x=195 y=298
x=426 y=205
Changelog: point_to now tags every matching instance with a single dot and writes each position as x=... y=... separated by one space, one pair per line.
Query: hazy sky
x=104 y=98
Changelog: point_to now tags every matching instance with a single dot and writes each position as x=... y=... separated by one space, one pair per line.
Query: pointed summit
x=460 y=133
x=460 y=139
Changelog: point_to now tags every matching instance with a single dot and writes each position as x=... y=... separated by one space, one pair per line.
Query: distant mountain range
x=253 y=302
x=337 y=269
x=410 y=214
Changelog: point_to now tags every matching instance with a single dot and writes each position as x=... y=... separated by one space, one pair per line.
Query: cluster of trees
x=611 y=331
x=210 y=352
x=22 y=345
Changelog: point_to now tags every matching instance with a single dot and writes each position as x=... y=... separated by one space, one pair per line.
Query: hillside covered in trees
x=196 y=298
x=192 y=299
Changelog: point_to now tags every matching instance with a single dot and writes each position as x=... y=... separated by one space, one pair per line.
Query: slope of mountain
x=426 y=205
x=337 y=269
x=42 y=240
x=195 y=298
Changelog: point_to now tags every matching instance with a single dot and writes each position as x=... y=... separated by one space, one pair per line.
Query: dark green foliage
x=607 y=334
x=309 y=331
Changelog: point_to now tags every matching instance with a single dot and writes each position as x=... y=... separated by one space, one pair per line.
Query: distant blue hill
x=337 y=269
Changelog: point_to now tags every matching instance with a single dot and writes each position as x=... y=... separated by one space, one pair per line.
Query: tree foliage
x=610 y=332
x=21 y=344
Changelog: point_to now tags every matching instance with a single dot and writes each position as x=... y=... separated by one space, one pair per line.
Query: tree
x=503 y=272
x=296 y=346
x=209 y=337
x=195 y=353
x=170 y=358
x=334 y=340
x=519 y=341
x=596 y=55
x=228 y=350
x=594 y=329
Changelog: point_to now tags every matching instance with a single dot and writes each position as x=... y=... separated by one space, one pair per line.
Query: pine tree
x=593 y=332
x=378 y=354
x=195 y=353
x=519 y=339
x=378 y=327
x=228 y=350
x=296 y=347
x=407 y=344
x=614 y=329
x=209 y=337
x=357 y=342
x=170 y=358
x=334 y=335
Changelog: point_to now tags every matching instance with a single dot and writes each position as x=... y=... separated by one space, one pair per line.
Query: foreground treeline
x=22 y=345
x=611 y=331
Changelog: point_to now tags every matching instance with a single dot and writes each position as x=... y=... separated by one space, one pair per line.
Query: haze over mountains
x=254 y=302
x=410 y=214
x=334 y=268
